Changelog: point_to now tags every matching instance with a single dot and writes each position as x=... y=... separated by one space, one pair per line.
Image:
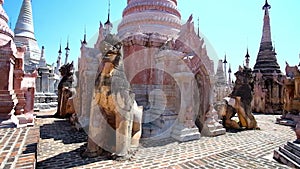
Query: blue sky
x=229 y=25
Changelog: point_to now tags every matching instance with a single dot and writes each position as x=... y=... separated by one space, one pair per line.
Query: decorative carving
x=65 y=91
x=121 y=117
x=240 y=102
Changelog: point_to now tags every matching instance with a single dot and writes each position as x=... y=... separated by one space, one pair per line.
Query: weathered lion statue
x=239 y=102
x=65 y=91
x=115 y=124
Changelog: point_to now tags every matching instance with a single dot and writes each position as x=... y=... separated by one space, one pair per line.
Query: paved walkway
x=60 y=145
x=18 y=147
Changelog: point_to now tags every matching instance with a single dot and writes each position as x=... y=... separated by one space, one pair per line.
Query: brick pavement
x=60 y=145
x=18 y=147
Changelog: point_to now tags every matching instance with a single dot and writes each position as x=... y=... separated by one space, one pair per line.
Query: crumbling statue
x=65 y=92
x=239 y=102
x=115 y=123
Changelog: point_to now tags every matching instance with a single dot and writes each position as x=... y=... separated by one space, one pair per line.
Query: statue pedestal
x=183 y=133
x=185 y=129
x=211 y=126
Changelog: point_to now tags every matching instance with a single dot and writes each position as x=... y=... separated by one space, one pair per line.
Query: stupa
x=222 y=88
x=8 y=99
x=266 y=65
x=168 y=68
x=24 y=35
x=17 y=87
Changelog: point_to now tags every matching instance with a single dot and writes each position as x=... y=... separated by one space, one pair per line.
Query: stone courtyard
x=60 y=145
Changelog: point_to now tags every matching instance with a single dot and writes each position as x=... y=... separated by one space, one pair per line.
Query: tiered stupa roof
x=24 y=35
x=266 y=60
x=156 y=16
x=220 y=75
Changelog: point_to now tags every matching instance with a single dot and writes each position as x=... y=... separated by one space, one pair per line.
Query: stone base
x=182 y=133
x=44 y=101
x=23 y=120
x=212 y=130
x=288 y=154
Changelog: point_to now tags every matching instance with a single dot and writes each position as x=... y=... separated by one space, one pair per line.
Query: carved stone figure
x=259 y=93
x=115 y=122
x=65 y=92
x=291 y=89
x=240 y=102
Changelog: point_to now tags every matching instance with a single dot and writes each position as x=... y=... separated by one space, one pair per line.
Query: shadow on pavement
x=68 y=160
x=62 y=130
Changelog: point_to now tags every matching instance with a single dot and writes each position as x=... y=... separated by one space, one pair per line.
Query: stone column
x=44 y=71
x=185 y=129
x=38 y=84
x=51 y=84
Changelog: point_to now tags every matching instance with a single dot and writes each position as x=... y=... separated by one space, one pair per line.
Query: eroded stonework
x=115 y=122
x=239 y=102
x=66 y=92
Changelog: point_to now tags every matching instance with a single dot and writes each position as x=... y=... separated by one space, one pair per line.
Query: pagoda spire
x=24 y=36
x=266 y=60
x=84 y=36
x=58 y=62
x=220 y=78
x=247 y=58
x=24 y=26
x=59 y=51
x=299 y=58
x=225 y=65
x=67 y=51
x=43 y=59
x=108 y=13
x=266 y=36
x=229 y=75
x=108 y=25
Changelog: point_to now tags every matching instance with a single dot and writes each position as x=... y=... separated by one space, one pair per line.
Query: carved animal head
x=243 y=85
x=67 y=69
x=291 y=71
x=111 y=49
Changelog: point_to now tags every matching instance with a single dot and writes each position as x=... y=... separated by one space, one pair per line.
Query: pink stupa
x=142 y=16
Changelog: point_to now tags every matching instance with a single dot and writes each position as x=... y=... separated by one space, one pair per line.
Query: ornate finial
x=59 y=51
x=108 y=9
x=42 y=53
x=225 y=61
x=67 y=48
x=229 y=70
x=247 y=58
x=84 y=38
x=108 y=15
x=266 y=6
x=299 y=58
x=247 y=54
